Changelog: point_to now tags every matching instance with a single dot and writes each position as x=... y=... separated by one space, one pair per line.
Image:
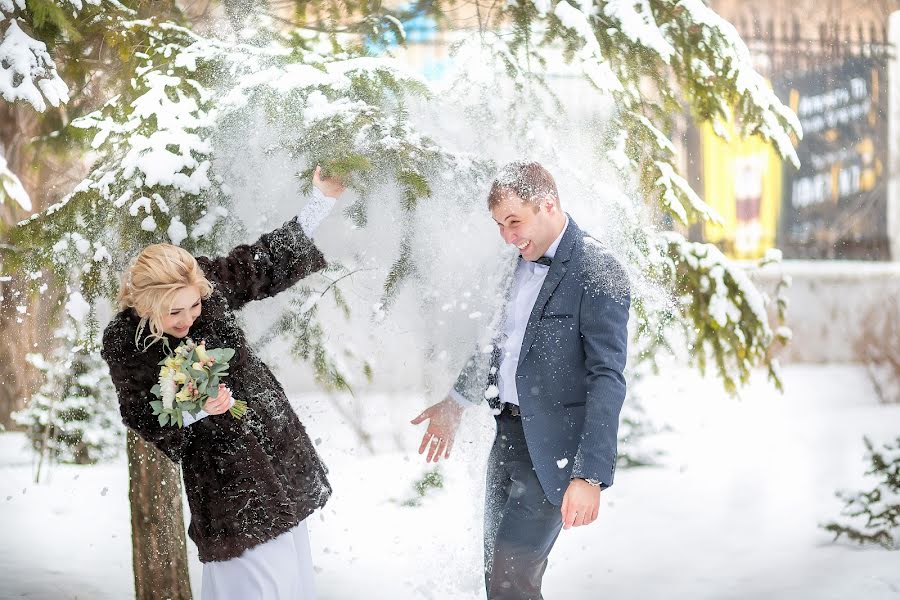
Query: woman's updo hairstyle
x=151 y=281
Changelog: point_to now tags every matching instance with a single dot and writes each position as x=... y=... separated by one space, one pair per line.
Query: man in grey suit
x=554 y=377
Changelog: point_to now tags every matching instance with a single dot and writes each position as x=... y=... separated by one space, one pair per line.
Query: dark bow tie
x=544 y=260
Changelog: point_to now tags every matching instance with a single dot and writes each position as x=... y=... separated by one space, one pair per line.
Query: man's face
x=186 y=306
x=530 y=231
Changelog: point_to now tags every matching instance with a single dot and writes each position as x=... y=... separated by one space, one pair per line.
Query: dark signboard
x=835 y=205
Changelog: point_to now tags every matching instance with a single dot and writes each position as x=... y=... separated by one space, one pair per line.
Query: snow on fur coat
x=249 y=480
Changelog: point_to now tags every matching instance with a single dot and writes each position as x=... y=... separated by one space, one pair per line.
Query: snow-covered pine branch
x=27 y=72
x=153 y=180
x=653 y=58
x=873 y=516
x=155 y=141
x=308 y=338
x=150 y=177
x=726 y=313
x=691 y=55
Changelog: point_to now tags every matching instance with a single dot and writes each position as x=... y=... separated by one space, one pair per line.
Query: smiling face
x=531 y=228
x=185 y=309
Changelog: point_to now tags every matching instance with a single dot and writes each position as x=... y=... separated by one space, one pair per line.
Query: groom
x=554 y=378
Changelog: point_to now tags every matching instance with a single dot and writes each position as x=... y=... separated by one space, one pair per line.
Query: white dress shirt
x=312 y=215
x=526 y=285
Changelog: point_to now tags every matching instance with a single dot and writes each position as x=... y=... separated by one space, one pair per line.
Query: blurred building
x=829 y=61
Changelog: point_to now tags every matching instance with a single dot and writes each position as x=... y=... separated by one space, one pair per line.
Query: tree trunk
x=20 y=332
x=158 y=545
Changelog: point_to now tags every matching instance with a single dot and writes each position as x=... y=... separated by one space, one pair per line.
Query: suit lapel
x=557 y=270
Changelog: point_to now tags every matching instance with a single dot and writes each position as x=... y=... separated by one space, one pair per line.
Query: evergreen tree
x=873 y=516
x=90 y=67
x=154 y=140
x=74 y=417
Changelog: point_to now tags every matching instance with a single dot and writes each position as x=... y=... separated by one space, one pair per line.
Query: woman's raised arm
x=272 y=264
x=279 y=259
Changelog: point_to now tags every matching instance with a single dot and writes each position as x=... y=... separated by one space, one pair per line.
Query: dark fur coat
x=249 y=480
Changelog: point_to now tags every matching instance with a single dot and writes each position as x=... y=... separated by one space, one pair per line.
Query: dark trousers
x=520 y=524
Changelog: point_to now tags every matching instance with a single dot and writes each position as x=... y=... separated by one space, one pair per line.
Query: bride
x=250 y=482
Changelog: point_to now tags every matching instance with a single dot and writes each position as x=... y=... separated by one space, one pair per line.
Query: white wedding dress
x=280 y=569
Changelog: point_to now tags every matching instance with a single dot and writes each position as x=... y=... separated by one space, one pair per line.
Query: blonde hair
x=151 y=281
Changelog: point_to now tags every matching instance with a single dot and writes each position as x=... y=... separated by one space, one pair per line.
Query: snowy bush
x=874 y=516
x=431 y=479
x=74 y=415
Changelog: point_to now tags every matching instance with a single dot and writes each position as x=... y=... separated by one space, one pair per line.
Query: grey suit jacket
x=570 y=373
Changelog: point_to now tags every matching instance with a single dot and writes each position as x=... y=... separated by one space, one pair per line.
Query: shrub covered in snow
x=74 y=415
x=873 y=516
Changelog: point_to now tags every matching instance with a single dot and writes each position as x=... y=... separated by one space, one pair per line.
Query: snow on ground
x=731 y=513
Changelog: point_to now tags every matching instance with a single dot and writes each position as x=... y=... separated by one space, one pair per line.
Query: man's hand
x=580 y=504
x=331 y=187
x=444 y=421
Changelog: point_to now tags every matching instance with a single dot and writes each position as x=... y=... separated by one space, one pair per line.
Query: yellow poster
x=741 y=180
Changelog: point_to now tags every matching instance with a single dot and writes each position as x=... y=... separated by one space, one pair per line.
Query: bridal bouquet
x=187 y=378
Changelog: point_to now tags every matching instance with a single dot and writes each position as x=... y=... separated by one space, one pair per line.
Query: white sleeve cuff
x=315 y=211
x=459 y=398
x=189 y=419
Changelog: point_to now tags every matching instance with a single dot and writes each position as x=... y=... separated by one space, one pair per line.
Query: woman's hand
x=332 y=187
x=219 y=404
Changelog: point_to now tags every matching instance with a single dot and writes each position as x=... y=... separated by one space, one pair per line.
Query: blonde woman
x=250 y=483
